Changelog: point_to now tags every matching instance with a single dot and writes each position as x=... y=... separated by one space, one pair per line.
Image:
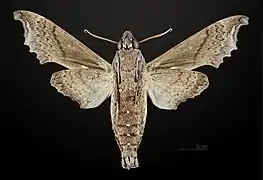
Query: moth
x=168 y=80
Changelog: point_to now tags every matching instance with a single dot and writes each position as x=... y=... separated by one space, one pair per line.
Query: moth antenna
x=157 y=35
x=99 y=37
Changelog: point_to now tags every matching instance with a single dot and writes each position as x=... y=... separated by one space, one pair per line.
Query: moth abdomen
x=129 y=134
x=128 y=137
x=129 y=158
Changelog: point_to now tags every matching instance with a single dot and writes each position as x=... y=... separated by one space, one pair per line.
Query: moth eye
x=135 y=44
x=119 y=44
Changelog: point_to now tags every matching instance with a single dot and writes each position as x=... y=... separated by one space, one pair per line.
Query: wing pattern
x=89 y=87
x=52 y=44
x=171 y=79
x=170 y=87
x=207 y=47
x=87 y=79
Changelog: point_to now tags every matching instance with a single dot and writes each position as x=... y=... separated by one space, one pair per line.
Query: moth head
x=127 y=41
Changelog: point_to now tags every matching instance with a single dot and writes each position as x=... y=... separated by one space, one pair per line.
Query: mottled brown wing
x=89 y=87
x=52 y=44
x=207 y=47
x=170 y=87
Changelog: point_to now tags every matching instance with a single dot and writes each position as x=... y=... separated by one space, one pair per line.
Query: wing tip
x=244 y=20
x=17 y=15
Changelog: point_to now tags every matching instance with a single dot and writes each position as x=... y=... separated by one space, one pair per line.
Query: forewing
x=170 y=87
x=52 y=44
x=207 y=47
x=89 y=87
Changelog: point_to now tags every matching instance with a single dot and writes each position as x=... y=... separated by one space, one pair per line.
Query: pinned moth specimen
x=168 y=80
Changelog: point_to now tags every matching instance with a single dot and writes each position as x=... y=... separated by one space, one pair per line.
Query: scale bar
x=192 y=149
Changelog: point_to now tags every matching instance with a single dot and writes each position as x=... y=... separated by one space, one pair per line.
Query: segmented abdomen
x=129 y=122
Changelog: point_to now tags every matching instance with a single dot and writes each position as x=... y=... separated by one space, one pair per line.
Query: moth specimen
x=168 y=80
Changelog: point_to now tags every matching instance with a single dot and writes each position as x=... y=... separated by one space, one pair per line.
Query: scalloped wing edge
x=232 y=45
x=197 y=92
x=17 y=15
x=82 y=105
x=244 y=20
